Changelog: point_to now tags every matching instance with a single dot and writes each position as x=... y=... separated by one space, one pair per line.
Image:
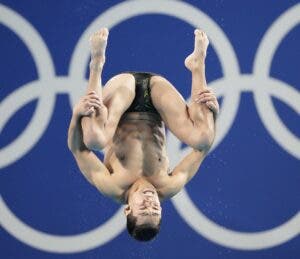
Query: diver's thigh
x=118 y=94
x=116 y=83
x=172 y=108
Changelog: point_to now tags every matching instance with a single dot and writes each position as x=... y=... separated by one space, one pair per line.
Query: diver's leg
x=116 y=97
x=192 y=123
x=195 y=62
x=98 y=43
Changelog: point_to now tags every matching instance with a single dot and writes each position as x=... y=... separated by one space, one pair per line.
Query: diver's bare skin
x=116 y=96
x=134 y=143
x=98 y=43
x=196 y=118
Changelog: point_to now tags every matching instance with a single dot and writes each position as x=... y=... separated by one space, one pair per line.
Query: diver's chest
x=137 y=164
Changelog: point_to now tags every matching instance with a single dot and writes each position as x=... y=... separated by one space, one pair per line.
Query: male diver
x=126 y=120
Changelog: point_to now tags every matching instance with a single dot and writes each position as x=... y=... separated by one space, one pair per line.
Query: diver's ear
x=127 y=210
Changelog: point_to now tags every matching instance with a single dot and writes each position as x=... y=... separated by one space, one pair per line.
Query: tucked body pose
x=126 y=119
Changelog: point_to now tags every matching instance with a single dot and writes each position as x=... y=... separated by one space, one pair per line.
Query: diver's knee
x=202 y=140
x=94 y=139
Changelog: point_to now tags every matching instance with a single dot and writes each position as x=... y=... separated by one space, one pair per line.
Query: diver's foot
x=98 y=43
x=196 y=59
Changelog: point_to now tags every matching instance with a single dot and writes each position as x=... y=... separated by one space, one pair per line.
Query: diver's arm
x=87 y=161
x=89 y=164
x=182 y=173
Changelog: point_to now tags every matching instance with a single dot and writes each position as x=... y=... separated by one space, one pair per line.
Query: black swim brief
x=142 y=101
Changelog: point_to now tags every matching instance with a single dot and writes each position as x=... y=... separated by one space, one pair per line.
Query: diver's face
x=144 y=205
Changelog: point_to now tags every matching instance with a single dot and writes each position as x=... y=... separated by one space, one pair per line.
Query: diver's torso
x=138 y=149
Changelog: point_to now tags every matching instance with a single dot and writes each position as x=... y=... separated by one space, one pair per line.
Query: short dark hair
x=143 y=232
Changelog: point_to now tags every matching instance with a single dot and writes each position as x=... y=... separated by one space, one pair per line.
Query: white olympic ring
x=234 y=82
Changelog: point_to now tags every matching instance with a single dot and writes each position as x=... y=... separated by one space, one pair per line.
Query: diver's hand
x=87 y=105
x=209 y=99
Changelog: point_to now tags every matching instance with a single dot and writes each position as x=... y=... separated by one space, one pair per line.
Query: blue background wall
x=249 y=182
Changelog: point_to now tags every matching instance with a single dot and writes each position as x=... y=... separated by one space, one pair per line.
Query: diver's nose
x=147 y=202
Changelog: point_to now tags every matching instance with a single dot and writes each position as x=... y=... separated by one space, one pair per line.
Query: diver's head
x=143 y=211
